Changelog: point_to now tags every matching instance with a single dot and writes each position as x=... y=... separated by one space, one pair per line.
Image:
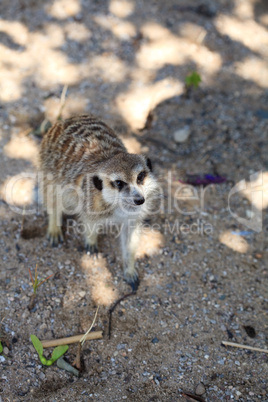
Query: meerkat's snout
x=139 y=200
x=137 y=197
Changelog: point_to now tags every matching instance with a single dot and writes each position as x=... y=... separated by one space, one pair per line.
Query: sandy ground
x=203 y=256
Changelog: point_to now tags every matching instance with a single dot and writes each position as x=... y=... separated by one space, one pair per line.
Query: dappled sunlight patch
x=99 y=280
x=132 y=145
x=122 y=29
x=121 y=8
x=244 y=9
x=136 y=104
x=52 y=108
x=74 y=105
x=164 y=48
x=10 y=85
x=264 y=19
x=77 y=31
x=257 y=191
x=234 y=242
x=239 y=30
x=40 y=59
x=18 y=190
x=63 y=9
x=57 y=70
x=22 y=147
x=16 y=30
x=154 y=31
x=254 y=69
x=151 y=242
x=193 y=32
x=55 y=34
x=110 y=67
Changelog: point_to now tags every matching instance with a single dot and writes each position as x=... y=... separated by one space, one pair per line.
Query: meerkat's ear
x=97 y=182
x=149 y=164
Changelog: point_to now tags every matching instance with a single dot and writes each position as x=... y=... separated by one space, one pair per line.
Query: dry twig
x=62 y=101
x=71 y=339
x=83 y=339
x=77 y=360
x=238 y=345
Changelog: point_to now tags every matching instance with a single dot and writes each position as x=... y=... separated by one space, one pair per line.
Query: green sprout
x=1 y=347
x=35 y=282
x=193 y=80
x=56 y=354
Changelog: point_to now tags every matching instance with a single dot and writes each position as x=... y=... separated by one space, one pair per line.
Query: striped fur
x=72 y=147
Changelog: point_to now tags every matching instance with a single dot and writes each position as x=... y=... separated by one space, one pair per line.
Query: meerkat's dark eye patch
x=119 y=184
x=97 y=183
x=149 y=164
x=141 y=177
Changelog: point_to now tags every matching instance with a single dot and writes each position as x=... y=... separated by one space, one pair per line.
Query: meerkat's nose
x=139 y=200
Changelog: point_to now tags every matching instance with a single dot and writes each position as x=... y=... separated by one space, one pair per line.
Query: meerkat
x=86 y=170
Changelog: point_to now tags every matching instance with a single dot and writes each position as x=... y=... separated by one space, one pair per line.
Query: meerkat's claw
x=92 y=249
x=132 y=280
x=55 y=238
x=134 y=284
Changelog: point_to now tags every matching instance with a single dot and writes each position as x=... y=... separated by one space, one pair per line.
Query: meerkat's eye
x=119 y=184
x=141 y=177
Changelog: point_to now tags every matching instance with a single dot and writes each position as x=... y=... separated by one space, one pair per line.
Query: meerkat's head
x=127 y=183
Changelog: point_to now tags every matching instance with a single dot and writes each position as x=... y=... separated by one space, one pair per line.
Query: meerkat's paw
x=132 y=278
x=92 y=249
x=55 y=236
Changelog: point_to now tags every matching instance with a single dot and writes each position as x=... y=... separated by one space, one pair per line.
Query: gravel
x=196 y=290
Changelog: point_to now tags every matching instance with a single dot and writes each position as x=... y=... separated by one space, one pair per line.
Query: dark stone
x=250 y=331
x=262 y=114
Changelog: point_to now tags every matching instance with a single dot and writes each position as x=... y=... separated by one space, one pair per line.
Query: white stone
x=249 y=213
x=182 y=134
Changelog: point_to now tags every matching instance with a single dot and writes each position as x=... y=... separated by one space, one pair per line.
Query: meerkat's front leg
x=54 y=233
x=54 y=210
x=130 y=236
x=91 y=237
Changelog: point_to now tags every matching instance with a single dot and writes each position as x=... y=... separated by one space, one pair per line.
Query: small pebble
x=200 y=389
x=42 y=376
x=121 y=346
x=182 y=134
x=6 y=350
